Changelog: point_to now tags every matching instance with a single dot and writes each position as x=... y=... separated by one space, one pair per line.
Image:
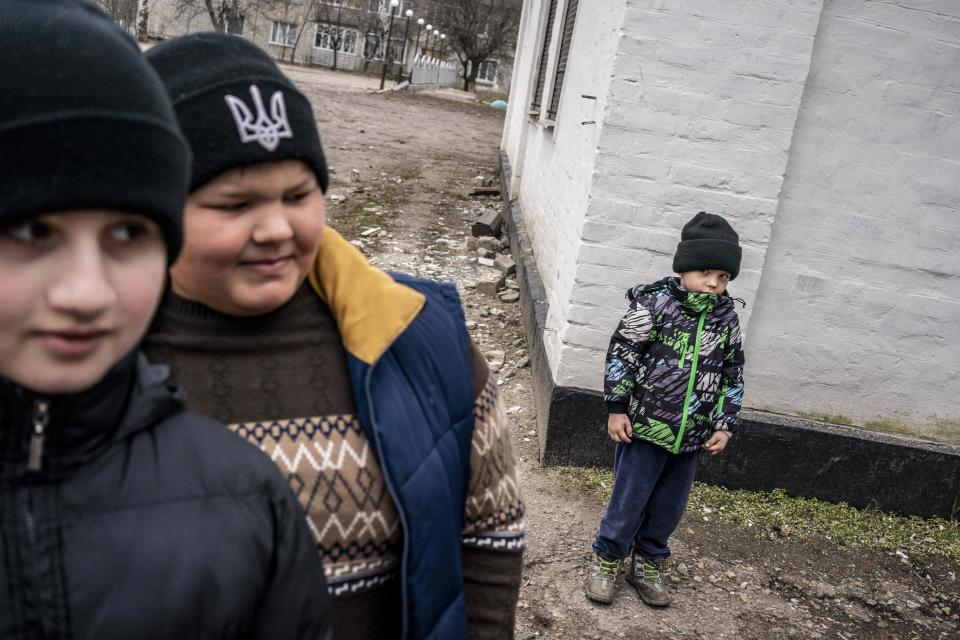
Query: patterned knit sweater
x=280 y=381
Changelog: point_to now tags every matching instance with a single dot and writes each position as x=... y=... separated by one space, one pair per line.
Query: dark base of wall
x=803 y=458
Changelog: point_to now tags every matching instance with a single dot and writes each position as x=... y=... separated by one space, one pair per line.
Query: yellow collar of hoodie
x=370 y=308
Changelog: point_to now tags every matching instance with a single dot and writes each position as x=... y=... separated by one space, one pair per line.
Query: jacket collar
x=370 y=308
x=671 y=285
x=132 y=396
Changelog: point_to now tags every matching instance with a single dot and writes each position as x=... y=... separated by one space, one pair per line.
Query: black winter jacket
x=141 y=519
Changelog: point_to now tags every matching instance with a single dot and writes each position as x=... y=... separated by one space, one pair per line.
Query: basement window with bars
x=569 y=20
x=535 y=104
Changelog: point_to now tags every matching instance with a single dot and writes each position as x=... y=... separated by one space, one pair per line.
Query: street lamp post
x=406 y=34
x=436 y=36
x=426 y=43
x=386 y=49
x=419 y=27
x=443 y=43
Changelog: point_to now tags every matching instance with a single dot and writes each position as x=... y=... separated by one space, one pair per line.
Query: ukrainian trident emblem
x=264 y=129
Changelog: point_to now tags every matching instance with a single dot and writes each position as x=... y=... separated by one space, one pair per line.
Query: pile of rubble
x=496 y=265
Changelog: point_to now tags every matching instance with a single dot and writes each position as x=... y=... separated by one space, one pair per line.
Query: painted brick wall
x=859 y=309
x=700 y=116
x=553 y=165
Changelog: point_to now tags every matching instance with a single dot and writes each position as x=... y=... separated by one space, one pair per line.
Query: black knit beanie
x=235 y=106
x=708 y=242
x=84 y=121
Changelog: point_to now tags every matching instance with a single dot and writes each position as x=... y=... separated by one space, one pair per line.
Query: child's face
x=251 y=238
x=77 y=291
x=706 y=281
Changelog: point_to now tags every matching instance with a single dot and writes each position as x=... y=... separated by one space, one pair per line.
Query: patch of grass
x=410 y=173
x=764 y=512
x=358 y=216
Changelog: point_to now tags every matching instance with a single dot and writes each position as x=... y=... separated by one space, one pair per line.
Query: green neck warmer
x=700 y=302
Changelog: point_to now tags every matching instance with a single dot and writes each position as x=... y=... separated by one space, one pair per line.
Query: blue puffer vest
x=417 y=406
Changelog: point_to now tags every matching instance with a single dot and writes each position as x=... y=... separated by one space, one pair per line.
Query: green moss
x=946 y=431
x=937 y=430
x=765 y=512
x=826 y=417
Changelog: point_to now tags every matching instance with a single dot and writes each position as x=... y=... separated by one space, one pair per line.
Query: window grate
x=544 y=55
x=569 y=20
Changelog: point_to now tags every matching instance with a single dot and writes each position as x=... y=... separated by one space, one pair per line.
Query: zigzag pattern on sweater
x=494 y=503
x=336 y=477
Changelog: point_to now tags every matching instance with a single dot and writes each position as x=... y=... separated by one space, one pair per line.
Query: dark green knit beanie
x=708 y=242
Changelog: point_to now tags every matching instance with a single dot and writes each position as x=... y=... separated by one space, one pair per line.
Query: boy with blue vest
x=123 y=514
x=673 y=385
x=363 y=387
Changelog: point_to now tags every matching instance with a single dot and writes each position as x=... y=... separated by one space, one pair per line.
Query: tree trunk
x=466 y=74
x=214 y=14
x=470 y=79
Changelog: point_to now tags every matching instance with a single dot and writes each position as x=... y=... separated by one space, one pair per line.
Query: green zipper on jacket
x=690 y=382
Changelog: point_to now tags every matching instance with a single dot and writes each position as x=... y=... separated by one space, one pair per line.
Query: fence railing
x=430 y=73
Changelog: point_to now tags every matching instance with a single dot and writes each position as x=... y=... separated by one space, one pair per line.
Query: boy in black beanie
x=673 y=384
x=124 y=515
x=363 y=387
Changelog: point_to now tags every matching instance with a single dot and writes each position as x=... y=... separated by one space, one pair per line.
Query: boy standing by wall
x=673 y=385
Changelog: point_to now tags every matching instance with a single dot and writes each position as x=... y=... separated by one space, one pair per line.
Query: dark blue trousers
x=650 y=491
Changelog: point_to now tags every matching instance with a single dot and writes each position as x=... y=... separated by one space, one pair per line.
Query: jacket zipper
x=41 y=418
x=32 y=577
x=393 y=496
x=690 y=382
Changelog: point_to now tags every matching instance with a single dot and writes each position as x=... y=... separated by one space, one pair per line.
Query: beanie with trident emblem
x=235 y=106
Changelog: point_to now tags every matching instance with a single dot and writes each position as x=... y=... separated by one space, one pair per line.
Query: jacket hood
x=131 y=397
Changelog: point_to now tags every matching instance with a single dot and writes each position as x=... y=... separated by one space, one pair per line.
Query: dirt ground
x=404 y=167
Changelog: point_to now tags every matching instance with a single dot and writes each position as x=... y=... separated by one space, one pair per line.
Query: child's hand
x=619 y=427
x=717 y=442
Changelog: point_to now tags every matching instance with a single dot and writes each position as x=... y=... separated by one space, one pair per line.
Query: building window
x=569 y=20
x=283 y=33
x=373 y=48
x=327 y=36
x=544 y=56
x=487 y=73
x=397 y=48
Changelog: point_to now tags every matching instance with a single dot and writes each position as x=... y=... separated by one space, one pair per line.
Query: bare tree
x=216 y=10
x=478 y=30
x=124 y=12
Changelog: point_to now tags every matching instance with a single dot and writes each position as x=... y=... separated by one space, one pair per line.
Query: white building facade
x=825 y=131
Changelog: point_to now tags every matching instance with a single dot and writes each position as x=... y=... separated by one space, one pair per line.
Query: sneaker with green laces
x=644 y=576
x=602 y=583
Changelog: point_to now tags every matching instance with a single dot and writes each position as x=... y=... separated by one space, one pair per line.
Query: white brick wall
x=827 y=132
x=553 y=166
x=860 y=299
x=700 y=116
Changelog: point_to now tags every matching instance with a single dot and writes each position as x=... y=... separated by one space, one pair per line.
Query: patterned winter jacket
x=675 y=365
